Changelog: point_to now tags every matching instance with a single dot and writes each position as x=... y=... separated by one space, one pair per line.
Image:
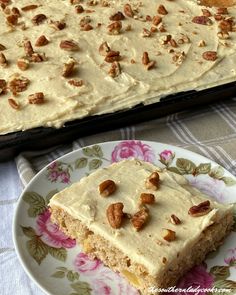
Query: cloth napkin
x=209 y=131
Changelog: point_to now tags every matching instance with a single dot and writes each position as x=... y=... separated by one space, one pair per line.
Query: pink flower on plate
x=50 y=233
x=100 y=286
x=64 y=177
x=166 y=157
x=53 y=176
x=85 y=265
x=132 y=149
x=53 y=165
x=230 y=257
x=196 y=278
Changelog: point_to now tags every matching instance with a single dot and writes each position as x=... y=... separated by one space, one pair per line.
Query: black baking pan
x=40 y=138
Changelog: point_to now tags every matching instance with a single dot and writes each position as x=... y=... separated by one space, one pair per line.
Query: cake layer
x=174 y=196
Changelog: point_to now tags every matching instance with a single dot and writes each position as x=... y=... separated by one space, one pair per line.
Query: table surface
x=209 y=130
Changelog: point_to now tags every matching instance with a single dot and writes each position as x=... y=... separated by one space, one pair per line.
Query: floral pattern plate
x=56 y=263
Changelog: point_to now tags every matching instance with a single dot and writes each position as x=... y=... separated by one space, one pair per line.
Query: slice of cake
x=148 y=224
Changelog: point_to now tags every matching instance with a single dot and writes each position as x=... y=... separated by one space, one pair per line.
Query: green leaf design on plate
x=81 y=288
x=229 y=181
x=58 y=274
x=28 y=231
x=225 y=284
x=185 y=166
x=174 y=169
x=95 y=164
x=37 y=249
x=81 y=163
x=62 y=268
x=70 y=276
x=203 y=168
x=50 y=195
x=220 y=272
x=217 y=172
x=88 y=152
x=36 y=202
x=58 y=253
x=97 y=151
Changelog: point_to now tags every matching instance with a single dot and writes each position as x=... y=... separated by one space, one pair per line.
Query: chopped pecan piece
x=112 y=56
x=36 y=98
x=3 y=60
x=79 y=9
x=76 y=83
x=226 y=25
x=173 y=43
x=115 y=28
x=168 y=235
x=200 y=209
x=222 y=10
x=107 y=188
x=104 y=49
x=146 y=33
x=140 y=218
x=115 y=215
x=223 y=35
x=145 y=58
x=201 y=43
x=146 y=198
x=218 y=17
x=149 y=18
x=12 y=19
x=23 y=64
x=128 y=11
x=28 y=48
x=37 y=57
x=58 y=25
x=150 y=65
x=87 y=27
x=3 y=86
x=68 y=68
x=2 y=47
x=162 y=10
x=15 y=11
x=85 y=20
x=18 y=84
x=202 y=20
x=15 y=105
x=210 y=55
x=206 y=12
x=153 y=181
x=117 y=16
x=29 y=7
x=41 y=41
x=174 y=219
x=156 y=20
x=69 y=45
x=39 y=19
x=115 y=69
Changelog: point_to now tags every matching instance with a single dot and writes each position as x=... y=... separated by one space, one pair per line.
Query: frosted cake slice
x=148 y=224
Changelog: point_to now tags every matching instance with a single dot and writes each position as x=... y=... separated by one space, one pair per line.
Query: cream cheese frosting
x=83 y=201
x=176 y=69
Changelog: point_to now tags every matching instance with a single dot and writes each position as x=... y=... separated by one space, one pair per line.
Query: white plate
x=56 y=263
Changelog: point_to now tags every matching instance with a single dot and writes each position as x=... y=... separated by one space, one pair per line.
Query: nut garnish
x=69 y=45
x=36 y=98
x=39 y=19
x=223 y=35
x=210 y=55
x=222 y=10
x=153 y=181
x=139 y=219
x=12 y=19
x=174 y=219
x=201 y=43
x=168 y=234
x=28 y=48
x=115 y=28
x=29 y=7
x=87 y=27
x=145 y=58
x=85 y=20
x=2 y=47
x=104 y=49
x=15 y=11
x=128 y=11
x=146 y=198
x=68 y=68
x=112 y=56
x=3 y=86
x=41 y=41
x=115 y=69
x=200 y=209
x=79 y=9
x=115 y=214
x=156 y=20
x=13 y=103
x=37 y=57
x=58 y=25
x=18 y=84
x=117 y=16
x=107 y=187
x=23 y=64
x=76 y=83
x=206 y=12
x=202 y=20
x=162 y=10
x=226 y=25
x=3 y=60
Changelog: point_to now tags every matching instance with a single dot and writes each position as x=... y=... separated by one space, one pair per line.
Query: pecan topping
x=202 y=20
x=12 y=19
x=87 y=27
x=223 y=35
x=157 y=20
x=39 y=19
x=37 y=57
x=140 y=218
x=76 y=83
x=15 y=11
x=168 y=235
x=18 y=84
x=28 y=48
x=128 y=11
x=104 y=49
x=146 y=33
x=115 y=69
x=23 y=64
x=85 y=20
x=210 y=55
x=162 y=10
x=58 y=25
x=107 y=187
x=79 y=9
x=201 y=43
x=200 y=209
x=3 y=60
x=222 y=10
x=173 y=43
x=2 y=47
x=36 y=98
x=174 y=219
x=112 y=56
x=152 y=182
x=13 y=103
x=226 y=25
x=206 y=12
x=29 y=7
x=41 y=41
x=145 y=58
x=115 y=214
x=69 y=45
x=218 y=17
x=146 y=198
x=68 y=68
x=117 y=16
x=3 y=86
x=150 y=65
x=115 y=28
